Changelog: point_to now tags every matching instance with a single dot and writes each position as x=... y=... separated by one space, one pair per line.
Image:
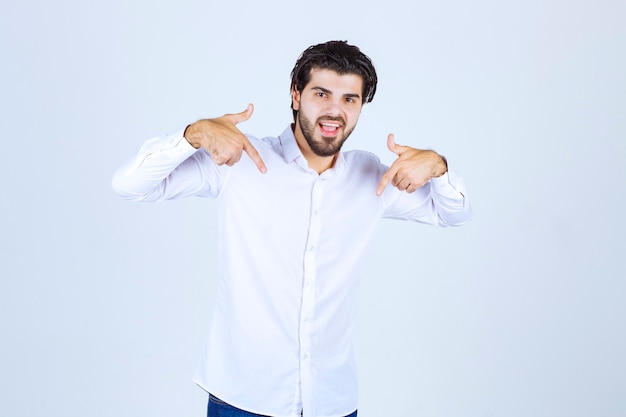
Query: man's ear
x=295 y=99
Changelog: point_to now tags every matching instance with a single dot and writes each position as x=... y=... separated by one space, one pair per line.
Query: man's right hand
x=221 y=138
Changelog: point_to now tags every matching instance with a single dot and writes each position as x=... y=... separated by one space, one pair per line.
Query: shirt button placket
x=307 y=315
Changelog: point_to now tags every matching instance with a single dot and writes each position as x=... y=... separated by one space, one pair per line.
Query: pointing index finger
x=254 y=155
x=387 y=177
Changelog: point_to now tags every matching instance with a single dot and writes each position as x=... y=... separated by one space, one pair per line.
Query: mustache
x=331 y=119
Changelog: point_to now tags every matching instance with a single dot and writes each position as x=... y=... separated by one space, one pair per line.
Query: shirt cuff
x=449 y=184
x=170 y=149
x=177 y=144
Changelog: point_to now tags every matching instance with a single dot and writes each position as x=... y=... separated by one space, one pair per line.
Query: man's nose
x=333 y=107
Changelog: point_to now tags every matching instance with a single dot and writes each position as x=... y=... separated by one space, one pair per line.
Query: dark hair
x=338 y=56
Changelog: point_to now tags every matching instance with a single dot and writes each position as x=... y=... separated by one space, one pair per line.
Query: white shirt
x=291 y=247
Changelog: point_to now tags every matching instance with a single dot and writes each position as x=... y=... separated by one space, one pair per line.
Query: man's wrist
x=441 y=167
x=188 y=134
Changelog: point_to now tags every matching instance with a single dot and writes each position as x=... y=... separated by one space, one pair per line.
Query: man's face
x=328 y=108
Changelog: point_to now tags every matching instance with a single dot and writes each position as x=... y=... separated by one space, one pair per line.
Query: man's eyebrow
x=322 y=89
x=327 y=91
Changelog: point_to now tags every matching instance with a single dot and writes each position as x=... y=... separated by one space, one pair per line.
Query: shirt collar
x=290 y=150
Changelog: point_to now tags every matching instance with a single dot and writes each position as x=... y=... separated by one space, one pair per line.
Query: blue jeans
x=219 y=408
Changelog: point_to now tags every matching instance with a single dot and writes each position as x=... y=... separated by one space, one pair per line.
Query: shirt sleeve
x=442 y=201
x=168 y=167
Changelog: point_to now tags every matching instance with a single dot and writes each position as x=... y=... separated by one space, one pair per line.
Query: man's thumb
x=245 y=115
x=391 y=144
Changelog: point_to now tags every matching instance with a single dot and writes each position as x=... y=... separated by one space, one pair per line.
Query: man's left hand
x=412 y=169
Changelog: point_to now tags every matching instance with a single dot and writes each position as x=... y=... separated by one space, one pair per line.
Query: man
x=295 y=215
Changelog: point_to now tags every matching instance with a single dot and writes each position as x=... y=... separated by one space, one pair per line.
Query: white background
x=104 y=304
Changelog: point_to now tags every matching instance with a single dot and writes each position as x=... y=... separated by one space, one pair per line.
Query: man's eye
x=321 y=94
x=350 y=100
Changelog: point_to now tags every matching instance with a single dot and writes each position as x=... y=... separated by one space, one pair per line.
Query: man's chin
x=329 y=150
x=326 y=146
x=329 y=139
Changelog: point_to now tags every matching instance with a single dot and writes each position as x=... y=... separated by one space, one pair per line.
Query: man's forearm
x=142 y=178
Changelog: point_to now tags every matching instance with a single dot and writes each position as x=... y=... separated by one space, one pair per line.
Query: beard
x=325 y=145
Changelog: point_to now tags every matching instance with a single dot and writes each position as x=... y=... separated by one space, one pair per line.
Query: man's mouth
x=329 y=128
